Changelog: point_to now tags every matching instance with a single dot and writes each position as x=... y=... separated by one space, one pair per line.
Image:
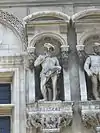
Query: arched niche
x=43 y=26
x=57 y=41
x=87 y=26
x=89 y=43
x=49 y=37
x=38 y=42
x=87 y=40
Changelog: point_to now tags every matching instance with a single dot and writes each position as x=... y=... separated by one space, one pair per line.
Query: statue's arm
x=86 y=66
x=38 y=61
x=57 y=62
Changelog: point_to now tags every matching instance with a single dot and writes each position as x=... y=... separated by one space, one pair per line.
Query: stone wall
x=22 y=8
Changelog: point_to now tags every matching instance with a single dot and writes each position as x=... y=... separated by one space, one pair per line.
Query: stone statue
x=50 y=69
x=92 y=68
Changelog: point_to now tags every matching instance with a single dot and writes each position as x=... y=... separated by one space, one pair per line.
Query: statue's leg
x=99 y=85
x=54 y=84
x=95 y=86
x=43 y=88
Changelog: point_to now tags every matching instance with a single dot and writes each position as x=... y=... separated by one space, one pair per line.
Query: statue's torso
x=95 y=60
x=95 y=63
x=49 y=62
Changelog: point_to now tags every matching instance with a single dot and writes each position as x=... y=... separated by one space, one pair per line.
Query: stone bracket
x=90 y=113
x=49 y=116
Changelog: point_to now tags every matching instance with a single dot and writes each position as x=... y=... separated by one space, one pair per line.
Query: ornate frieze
x=49 y=116
x=90 y=114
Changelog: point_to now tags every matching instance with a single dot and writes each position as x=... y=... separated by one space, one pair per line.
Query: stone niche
x=84 y=52
x=40 y=51
x=89 y=44
x=88 y=36
x=39 y=32
x=49 y=115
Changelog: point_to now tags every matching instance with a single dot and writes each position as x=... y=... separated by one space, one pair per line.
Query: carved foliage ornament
x=49 y=116
x=49 y=122
x=90 y=114
x=91 y=120
x=14 y=22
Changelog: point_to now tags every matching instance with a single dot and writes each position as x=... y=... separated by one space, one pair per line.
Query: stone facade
x=72 y=28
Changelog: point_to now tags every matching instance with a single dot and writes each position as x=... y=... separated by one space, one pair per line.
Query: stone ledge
x=90 y=113
x=6 y=109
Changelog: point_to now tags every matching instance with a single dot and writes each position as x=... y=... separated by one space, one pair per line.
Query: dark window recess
x=5 y=93
x=4 y=124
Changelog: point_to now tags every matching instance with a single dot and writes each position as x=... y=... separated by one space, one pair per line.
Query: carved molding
x=90 y=113
x=88 y=33
x=11 y=60
x=49 y=116
x=35 y=15
x=47 y=34
x=15 y=23
x=76 y=17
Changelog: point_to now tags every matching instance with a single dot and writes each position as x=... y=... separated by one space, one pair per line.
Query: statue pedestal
x=90 y=113
x=49 y=116
x=97 y=129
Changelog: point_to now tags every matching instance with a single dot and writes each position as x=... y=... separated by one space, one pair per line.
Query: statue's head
x=96 y=47
x=49 y=47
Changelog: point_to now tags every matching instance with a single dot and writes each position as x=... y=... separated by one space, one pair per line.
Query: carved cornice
x=49 y=116
x=14 y=22
x=11 y=60
x=90 y=113
x=31 y=3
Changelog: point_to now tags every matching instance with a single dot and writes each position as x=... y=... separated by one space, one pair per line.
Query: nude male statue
x=92 y=68
x=50 y=69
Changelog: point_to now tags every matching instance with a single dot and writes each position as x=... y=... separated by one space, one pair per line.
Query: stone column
x=31 y=73
x=31 y=86
x=16 y=87
x=22 y=103
x=83 y=88
x=74 y=77
x=73 y=63
x=65 y=54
